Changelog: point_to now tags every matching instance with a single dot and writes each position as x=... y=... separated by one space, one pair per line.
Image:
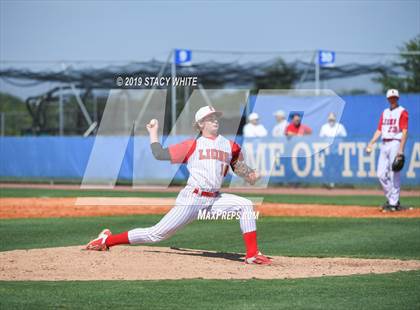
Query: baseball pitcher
x=208 y=159
x=392 y=128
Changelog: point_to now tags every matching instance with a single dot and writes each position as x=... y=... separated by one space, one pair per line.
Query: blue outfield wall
x=362 y=112
x=131 y=158
x=343 y=162
x=67 y=158
x=360 y=115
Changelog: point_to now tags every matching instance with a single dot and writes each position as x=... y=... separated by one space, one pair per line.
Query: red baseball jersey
x=298 y=130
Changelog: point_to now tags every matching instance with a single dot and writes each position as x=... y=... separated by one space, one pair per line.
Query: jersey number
x=393 y=129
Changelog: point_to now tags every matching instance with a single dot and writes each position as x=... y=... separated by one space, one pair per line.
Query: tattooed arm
x=242 y=170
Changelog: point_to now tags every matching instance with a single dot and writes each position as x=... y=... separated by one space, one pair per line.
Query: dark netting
x=208 y=73
x=80 y=114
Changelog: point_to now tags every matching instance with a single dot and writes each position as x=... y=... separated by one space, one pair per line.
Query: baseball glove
x=398 y=163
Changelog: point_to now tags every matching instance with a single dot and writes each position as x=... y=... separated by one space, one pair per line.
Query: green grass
x=356 y=200
x=361 y=200
x=390 y=291
x=321 y=237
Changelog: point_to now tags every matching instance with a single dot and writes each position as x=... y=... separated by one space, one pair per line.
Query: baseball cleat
x=402 y=208
x=388 y=208
x=98 y=244
x=258 y=259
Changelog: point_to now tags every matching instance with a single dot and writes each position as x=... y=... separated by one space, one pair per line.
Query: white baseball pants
x=186 y=210
x=389 y=179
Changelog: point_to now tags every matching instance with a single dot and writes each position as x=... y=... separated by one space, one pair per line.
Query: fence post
x=61 y=113
x=3 y=120
x=173 y=91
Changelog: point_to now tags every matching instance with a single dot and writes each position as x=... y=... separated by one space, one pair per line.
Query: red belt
x=389 y=140
x=206 y=194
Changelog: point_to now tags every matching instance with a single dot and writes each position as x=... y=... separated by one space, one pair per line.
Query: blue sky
x=131 y=30
x=139 y=31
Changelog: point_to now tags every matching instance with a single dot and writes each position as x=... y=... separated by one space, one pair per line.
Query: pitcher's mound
x=158 y=263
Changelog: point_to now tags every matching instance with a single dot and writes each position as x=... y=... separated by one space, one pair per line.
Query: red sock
x=117 y=239
x=250 y=239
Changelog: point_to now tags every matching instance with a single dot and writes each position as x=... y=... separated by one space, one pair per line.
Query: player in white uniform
x=208 y=159
x=392 y=128
x=254 y=129
x=280 y=128
x=332 y=128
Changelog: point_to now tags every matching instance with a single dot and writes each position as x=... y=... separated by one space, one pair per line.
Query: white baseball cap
x=253 y=116
x=206 y=111
x=392 y=93
x=279 y=113
x=331 y=116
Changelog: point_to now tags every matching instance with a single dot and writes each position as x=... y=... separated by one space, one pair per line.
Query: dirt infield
x=108 y=206
x=289 y=190
x=158 y=263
